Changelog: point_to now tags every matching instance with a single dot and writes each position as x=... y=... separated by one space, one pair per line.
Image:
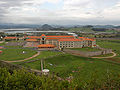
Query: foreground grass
x=82 y=69
x=16 y=54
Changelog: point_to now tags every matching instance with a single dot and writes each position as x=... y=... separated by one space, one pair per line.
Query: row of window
x=66 y=42
x=66 y=46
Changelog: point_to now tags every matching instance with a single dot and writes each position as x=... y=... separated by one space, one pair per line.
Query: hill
x=46 y=27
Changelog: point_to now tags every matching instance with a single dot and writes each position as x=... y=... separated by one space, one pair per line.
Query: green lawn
x=16 y=54
x=88 y=49
x=82 y=69
x=111 y=44
x=64 y=65
x=43 y=54
x=2 y=44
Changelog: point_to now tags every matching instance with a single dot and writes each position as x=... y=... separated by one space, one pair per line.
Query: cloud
x=60 y=11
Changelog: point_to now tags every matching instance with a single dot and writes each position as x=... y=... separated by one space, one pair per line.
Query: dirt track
x=114 y=54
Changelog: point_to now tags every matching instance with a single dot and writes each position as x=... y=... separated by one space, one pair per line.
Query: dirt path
x=114 y=54
x=25 y=59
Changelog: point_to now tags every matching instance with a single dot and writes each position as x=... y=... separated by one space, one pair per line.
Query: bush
x=23 y=80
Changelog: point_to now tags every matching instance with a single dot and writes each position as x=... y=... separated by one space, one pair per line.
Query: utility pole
x=41 y=65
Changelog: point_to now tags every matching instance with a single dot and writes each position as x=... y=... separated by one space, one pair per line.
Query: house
x=10 y=38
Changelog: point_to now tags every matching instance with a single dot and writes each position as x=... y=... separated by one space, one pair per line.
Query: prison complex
x=59 y=42
x=44 y=41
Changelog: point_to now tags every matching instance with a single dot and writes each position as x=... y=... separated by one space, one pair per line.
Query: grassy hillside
x=111 y=44
x=83 y=70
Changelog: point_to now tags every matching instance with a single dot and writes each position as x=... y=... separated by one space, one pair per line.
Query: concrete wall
x=88 y=54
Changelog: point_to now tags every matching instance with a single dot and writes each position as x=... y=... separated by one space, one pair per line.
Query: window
x=43 y=38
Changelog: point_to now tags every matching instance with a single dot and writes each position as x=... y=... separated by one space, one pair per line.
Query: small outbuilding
x=1 y=52
x=45 y=71
x=46 y=46
x=31 y=40
x=1 y=47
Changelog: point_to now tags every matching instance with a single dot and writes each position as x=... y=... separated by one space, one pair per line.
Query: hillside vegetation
x=88 y=30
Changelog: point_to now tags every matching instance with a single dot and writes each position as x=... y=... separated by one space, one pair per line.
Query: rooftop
x=46 y=46
x=10 y=37
x=31 y=40
x=34 y=37
x=70 y=39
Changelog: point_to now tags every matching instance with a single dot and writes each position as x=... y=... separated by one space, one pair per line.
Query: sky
x=60 y=12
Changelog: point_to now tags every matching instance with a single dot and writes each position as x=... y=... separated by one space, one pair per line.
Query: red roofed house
x=10 y=38
x=61 y=41
x=1 y=51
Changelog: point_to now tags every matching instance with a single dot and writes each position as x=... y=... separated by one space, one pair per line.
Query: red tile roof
x=10 y=37
x=1 y=47
x=43 y=35
x=59 y=36
x=31 y=40
x=52 y=38
x=1 y=51
x=81 y=37
x=70 y=39
x=46 y=46
x=88 y=39
x=34 y=37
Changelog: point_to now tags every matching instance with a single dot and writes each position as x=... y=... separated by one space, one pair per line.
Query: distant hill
x=8 y=26
x=46 y=27
x=104 y=26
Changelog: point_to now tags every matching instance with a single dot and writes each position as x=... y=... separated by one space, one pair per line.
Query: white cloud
x=112 y=13
x=72 y=11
